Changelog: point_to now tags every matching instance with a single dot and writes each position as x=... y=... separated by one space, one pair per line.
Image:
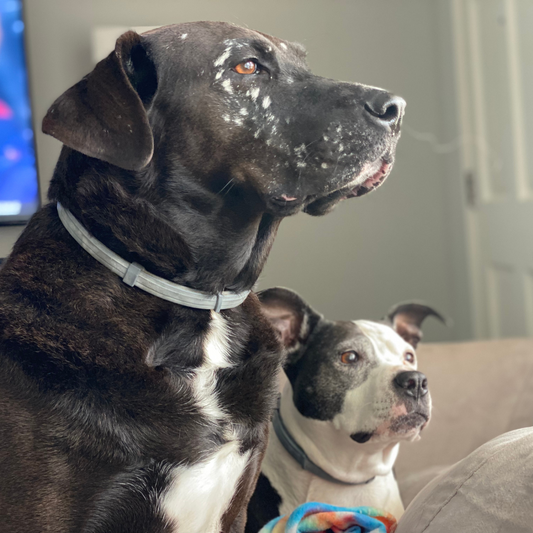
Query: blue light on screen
x=18 y=176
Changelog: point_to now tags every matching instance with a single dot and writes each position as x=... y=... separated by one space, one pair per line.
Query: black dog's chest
x=236 y=377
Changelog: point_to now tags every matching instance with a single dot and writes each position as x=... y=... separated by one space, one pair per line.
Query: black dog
x=184 y=148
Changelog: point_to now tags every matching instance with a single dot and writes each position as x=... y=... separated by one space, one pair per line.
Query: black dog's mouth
x=285 y=205
x=367 y=180
x=373 y=182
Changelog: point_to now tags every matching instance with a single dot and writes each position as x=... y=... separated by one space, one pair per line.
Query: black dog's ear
x=406 y=319
x=104 y=115
x=291 y=316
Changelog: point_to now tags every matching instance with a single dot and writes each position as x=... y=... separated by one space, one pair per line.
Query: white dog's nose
x=414 y=384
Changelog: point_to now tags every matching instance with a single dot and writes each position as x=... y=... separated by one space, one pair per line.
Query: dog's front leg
x=234 y=521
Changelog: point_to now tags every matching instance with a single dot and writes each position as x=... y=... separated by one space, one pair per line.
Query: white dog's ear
x=292 y=318
x=406 y=319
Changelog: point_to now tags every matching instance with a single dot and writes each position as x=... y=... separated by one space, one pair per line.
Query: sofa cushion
x=490 y=491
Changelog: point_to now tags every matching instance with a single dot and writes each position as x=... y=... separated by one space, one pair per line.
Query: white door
x=494 y=53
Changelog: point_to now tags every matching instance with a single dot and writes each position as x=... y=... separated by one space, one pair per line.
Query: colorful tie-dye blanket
x=316 y=517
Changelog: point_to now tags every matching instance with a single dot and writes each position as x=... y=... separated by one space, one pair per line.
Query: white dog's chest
x=296 y=486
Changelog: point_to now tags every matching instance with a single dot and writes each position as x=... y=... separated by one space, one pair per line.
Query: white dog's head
x=361 y=375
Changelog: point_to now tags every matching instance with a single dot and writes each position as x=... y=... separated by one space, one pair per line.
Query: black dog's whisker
x=225 y=186
x=231 y=187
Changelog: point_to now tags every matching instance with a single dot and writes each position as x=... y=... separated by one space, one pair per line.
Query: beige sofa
x=480 y=390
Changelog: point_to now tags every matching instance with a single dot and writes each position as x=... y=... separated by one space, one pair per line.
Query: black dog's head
x=362 y=375
x=213 y=109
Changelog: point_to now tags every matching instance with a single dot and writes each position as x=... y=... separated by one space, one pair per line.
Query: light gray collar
x=134 y=275
x=297 y=453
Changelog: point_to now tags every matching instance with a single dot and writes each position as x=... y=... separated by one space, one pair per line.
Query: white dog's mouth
x=409 y=423
x=403 y=426
x=361 y=437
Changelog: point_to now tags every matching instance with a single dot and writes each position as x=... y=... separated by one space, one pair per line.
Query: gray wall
x=402 y=242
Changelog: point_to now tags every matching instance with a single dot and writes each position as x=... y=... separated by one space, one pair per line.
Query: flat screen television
x=19 y=189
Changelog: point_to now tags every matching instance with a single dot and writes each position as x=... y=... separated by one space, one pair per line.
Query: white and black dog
x=353 y=394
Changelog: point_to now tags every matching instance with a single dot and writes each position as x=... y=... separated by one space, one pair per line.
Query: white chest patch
x=216 y=356
x=200 y=494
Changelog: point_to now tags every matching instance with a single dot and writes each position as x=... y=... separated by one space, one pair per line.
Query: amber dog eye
x=410 y=357
x=247 y=67
x=349 y=358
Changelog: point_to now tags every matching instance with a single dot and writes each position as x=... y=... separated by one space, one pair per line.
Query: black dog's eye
x=247 y=67
x=409 y=357
x=349 y=358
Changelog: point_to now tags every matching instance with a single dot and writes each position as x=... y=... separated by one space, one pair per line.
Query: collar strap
x=134 y=275
x=297 y=453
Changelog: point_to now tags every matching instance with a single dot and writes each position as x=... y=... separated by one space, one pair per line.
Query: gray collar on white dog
x=134 y=275
x=296 y=452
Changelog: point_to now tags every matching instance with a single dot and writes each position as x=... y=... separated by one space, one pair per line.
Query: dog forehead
x=329 y=334
x=389 y=347
x=208 y=36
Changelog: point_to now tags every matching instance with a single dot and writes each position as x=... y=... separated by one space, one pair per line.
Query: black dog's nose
x=385 y=108
x=413 y=384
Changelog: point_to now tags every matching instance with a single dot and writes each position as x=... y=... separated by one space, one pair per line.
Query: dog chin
x=368 y=180
x=404 y=427
x=409 y=426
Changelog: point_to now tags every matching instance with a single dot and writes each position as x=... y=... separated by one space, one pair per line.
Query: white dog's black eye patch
x=320 y=380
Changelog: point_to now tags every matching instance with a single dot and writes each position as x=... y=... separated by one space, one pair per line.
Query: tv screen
x=19 y=191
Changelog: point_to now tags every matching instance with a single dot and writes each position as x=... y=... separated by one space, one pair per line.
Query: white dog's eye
x=349 y=358
x=409 y=357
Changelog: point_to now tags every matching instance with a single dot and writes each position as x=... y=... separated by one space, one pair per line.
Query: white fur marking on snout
x=254 y=93
x=200 y=494
x=324 y=165
x=216 y=356
x=184 y=36
x=284 y=46
x=266 y=102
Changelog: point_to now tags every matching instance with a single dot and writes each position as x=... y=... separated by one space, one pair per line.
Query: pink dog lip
x=372 y=182
x=377 y=177
x=288 y=198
